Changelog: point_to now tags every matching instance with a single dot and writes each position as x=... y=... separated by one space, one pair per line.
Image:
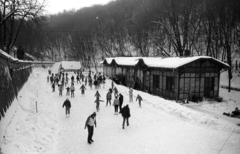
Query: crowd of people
x=61 y=80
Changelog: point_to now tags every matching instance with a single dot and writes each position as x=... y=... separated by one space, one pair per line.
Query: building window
x=156 y=81
x=170 y=83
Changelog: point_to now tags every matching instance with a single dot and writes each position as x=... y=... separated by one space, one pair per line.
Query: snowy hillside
x=159 y=126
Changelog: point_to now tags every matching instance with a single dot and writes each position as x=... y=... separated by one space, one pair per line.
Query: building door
x=208 y=86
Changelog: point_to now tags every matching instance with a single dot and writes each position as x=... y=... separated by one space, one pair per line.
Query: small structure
x=173 y=78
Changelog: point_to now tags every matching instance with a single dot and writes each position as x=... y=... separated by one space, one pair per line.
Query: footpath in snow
x=160 y=126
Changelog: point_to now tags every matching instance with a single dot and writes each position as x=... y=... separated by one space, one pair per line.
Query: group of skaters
x=61 y=80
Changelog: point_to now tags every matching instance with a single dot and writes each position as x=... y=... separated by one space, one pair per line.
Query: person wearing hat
x=67 y=105
x=90 y=122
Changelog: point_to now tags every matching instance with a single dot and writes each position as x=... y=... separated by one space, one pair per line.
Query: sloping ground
x=160 y=126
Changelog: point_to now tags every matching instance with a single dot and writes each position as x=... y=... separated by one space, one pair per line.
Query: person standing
x=68 y=90
x=130 y=94
x=115 y=104
x=67 y=105
x=115 y=91
x=53 y=87
x=90 y=122
x=60 y=88
x=126 y=115
x=120 y=101
x=83 y=88
x=139 y=98
x=109 y=97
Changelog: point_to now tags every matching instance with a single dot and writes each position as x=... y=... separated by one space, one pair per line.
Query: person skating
x=53 y=87
x=60 y=88
x=97 y=95
x=115 y=91
x=120 y=101
x=126 y=115
x=68 y=90
x=72 y=90
x=67 y=105
x=90 y=122
x=130 y=94
x=97 y=101
x=115 y=104
x=139 y=98
x=109 y=97
x=78 y=79
x=83 y=88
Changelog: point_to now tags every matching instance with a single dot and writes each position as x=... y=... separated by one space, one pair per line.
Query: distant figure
x=130 y=94
x=97 y=101
x=47 y=78
x=139 y=98
x=112 y=84
x=72 y=78
x=97 y=95
x=78 y=79
x=90 y=122
x=60 y=88
x=68 y=91
x=53 y=87
x=83 y=88
x=120 y=101
x=72 y=90
x=126 y=115
x=115 y=104
x=115 y=91
x=67 y=105
x=109 y=97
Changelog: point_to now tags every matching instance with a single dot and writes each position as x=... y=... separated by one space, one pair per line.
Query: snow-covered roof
x=170 y=62
x=73 y=65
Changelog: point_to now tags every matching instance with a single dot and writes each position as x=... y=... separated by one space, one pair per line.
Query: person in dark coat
x=109 y=97
x=90 y=122
x=125 y=114
x=67 y=105
x=120 y=101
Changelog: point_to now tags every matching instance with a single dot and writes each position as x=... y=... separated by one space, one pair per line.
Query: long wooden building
x=173 y=78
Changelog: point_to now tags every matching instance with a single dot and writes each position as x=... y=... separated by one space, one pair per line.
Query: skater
x=139 y=98
x=85 y=81
x=90 y=122
x=67 y=105
x=78 y=79
x=97 y=95
x=83 y=88
x=109 y=97
x=112 y=84
x=72 y=79
x=97 y=101
x=126 y=115
x=115 y=104
x=60 y=88
x=72 y=90
x=68 y=91
x=120 y=101
x=115 y=91
x=47 y=78
x=130 y=94
x=53 y=87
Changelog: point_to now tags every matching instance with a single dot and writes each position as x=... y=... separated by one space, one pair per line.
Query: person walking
x=83 y=88
x=115 y=104
x=126 y=115
x=72 y=90
x=109 y=97
x=67 y=105
x=90 y=122
x=139 y=98
x=120 y=101
x=130 y=94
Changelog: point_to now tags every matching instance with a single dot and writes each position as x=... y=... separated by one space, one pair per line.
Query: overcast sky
x=55 y=6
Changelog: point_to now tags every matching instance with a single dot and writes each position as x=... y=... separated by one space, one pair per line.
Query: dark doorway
x=208 y=86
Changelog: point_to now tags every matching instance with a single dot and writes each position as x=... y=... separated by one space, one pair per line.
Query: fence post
x=36 y=107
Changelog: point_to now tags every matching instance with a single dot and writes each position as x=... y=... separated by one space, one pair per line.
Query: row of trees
x=125 y=28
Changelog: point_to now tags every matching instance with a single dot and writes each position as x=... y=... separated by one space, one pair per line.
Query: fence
x=13 y=75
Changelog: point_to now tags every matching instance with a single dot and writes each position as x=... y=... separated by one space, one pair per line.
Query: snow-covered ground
x=160 y=126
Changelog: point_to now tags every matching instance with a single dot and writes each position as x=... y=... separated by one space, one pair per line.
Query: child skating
x=83 y=88
x=97 y=101
x=139 y=98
